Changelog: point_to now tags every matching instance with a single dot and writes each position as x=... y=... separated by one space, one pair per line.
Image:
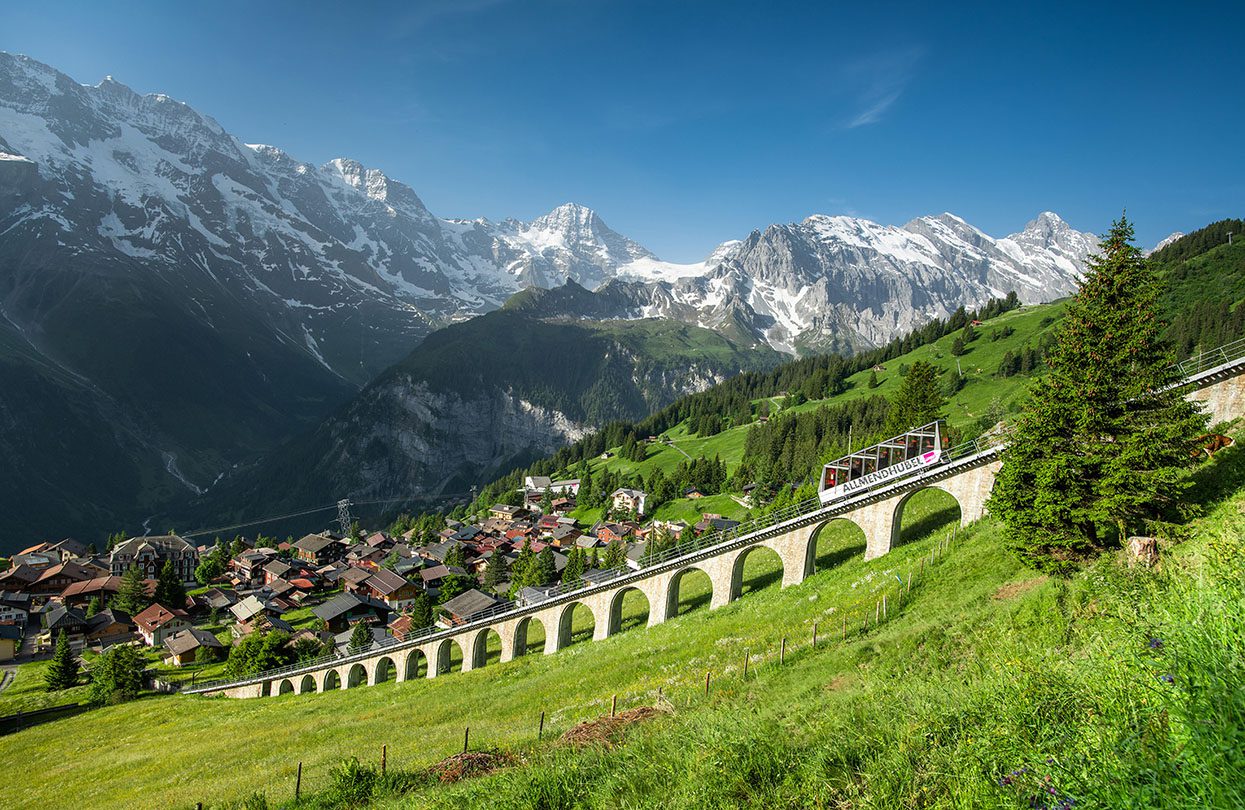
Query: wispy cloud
x=877 y=82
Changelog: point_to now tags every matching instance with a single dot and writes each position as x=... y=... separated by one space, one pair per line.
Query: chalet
x=58 y=618
x=108 y=627
x=345 y=609
x=217 y=599
x=18 y=578
x=249 y=608
x=464 y=607
x=693 y=493
x=432 y=576
x=607 y=455
x=37 y=560
x=276 y=569
x=56 y=578
x=378 y=540
x=81 y=593
x=249 y=565
x=261 y=623
x=564 y=536
x=151 y=553
x=402 y=627
x=561 y=506
x=588 y=541
x=157 y=623
x=352 y=579
x=319 y=549
x=187 y=646
x=504 y=511
x=10 y=638
x=609 y=532
x=630 y=499
x=14 y=607
x=392 y=589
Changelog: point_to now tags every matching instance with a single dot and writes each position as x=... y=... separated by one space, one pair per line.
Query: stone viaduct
x=968 y=478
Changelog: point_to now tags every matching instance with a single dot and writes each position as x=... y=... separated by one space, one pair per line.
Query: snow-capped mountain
x=204 y=298
x=1175 y=236
x=841 y=283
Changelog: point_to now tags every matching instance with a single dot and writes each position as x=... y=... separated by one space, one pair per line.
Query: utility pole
x=343 y=516
x=1229 y=237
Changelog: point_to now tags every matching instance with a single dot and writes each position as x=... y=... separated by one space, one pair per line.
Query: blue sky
x=688 y=123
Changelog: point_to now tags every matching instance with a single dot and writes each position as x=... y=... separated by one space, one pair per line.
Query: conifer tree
x=574 y=570
x=169 y=589
x=360 y=637
x=132 y=593
x=496 y=570
x=873 y=379
x=546 y=566
x=919 y=401
x=62 y=671
x=92 y=607
x=1104 y=444
x=615 y=555
x=421 y=610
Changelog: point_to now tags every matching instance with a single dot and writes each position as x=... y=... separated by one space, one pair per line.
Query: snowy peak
x=1175 y=237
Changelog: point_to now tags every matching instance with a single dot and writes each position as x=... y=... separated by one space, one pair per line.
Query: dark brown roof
x=386 y=582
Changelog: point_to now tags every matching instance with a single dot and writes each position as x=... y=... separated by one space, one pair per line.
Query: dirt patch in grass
x=606 y=730
x=837 y=682
x=1013 y=589
x=472 y=763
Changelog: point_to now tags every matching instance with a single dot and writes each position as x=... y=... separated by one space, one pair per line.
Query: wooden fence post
x=466 y=737
x=909 y=582
x=540 y=732
x=707 y=683
x=883 y=606
x=614 y=706
x=746 y=656
x=814 y=635
x=298 y=783
x=384 y=757
x=877 y=612
x=782 y=651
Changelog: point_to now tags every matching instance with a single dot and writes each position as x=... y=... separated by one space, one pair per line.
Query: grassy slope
x=215 y=749
x=985 y=668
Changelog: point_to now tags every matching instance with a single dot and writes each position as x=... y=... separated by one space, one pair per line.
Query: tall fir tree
x=497 y=570
x=1105 y=443
x=546 y=566
x=132 y=593
x=421 y=610
x=170 y=591
x=615 y=554
x=574 y=570
x=360 y=637
x=919 y=400
x=62 y=671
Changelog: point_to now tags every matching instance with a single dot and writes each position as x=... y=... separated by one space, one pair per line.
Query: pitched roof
x=60 y=616
x=434 y=572
x=248 y=608
x=183 y=641
x=356 y=576
x=343 y=603
x=386 y=582
x=468 y=604
x=106 y=617
x=314 y=543
x=156 y=616
x=106 y=584
x=160 y=542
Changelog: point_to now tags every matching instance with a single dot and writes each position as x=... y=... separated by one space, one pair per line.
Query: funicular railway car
x=885 y=461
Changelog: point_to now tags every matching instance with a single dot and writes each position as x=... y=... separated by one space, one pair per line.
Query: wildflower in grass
x=1155 y=644
x=1167 y=678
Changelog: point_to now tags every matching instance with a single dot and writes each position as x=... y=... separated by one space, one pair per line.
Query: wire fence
x=690 y=689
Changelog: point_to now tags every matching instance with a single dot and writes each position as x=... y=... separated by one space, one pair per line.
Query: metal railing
x=682 y=554
x=696 y=548
x=1205 y=361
